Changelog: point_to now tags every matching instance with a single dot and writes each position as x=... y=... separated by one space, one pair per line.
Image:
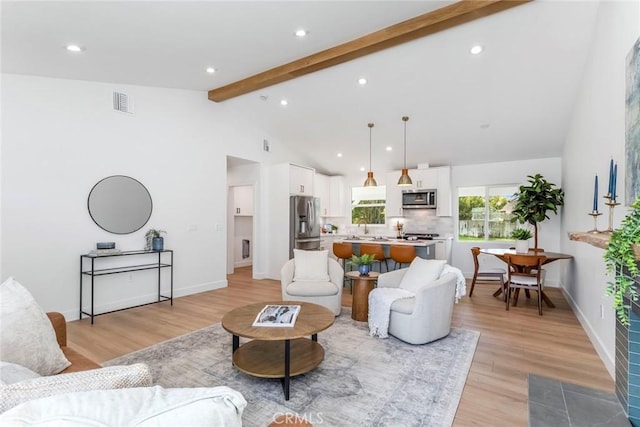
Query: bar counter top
x=387 y=241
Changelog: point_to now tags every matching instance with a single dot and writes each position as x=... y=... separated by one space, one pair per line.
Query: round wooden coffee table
x=362 y=285
x=278 y=352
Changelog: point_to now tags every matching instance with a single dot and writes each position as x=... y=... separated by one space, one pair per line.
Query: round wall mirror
x=120 y=204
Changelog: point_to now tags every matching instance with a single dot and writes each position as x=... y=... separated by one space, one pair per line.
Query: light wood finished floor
x=512 y=344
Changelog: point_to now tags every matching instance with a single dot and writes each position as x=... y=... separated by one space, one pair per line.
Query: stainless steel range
x=420 y=236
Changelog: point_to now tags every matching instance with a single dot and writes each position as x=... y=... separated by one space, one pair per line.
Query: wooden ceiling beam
x=432 y=22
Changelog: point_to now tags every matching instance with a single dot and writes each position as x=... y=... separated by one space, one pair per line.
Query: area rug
x=363 y=381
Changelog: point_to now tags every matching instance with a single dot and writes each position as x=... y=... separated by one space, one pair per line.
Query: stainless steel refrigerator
x=304 y=230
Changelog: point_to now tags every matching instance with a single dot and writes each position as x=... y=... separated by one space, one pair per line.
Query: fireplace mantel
x=599 y=240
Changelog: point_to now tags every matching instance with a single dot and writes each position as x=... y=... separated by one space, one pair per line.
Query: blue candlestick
x=595 y=195
x=613 y=186
x=610 y=176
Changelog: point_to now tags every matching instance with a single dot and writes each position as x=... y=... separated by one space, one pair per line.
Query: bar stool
x=401 y=254
x=343 y=252
x=376 y=250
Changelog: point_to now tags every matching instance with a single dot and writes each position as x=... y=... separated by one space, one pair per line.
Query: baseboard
x=245 y=263
x=259 y=275
x=146 y=299
x=605 y=356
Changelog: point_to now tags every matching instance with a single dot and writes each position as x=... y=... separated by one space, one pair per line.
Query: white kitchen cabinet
x=300 y=180
x=443 y=207
x=243 y=200
x=321 y=190
x=443 y=249
x=326 y=243
x=393 y=205
x=336 y=196
x=425 y=179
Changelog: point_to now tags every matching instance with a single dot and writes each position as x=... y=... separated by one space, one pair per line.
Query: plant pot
x=522 y=246
x=364 y=269
x=157 y=244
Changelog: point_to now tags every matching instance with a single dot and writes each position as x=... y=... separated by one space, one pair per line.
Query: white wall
x=61 y=136
x=508 y=173
x=597 y=132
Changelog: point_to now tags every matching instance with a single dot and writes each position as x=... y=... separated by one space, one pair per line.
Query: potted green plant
x=363 y=262
x=621 y=258
x=154 y=241
x=522 y=236
x=533 y=201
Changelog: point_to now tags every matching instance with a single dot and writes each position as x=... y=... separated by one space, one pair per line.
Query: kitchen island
x=424 y=248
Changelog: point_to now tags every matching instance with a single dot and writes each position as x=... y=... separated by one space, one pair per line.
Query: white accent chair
x=327 y=293
x=425 y=317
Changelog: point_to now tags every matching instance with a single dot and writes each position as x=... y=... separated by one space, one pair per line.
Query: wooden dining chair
x=486 y=274
x=525 y=272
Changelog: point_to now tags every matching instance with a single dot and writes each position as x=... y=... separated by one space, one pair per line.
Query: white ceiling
x=514 y=101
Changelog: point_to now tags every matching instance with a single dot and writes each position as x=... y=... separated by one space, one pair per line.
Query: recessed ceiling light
x=361 y=168
x=283 y=102
x=211 y=70
x=362 y=81
x=476 y=50
x=74 y=48
x=339 y=154
x=301 y=33
x=389 y=148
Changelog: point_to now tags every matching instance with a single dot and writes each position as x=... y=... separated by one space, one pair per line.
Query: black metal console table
x=94 y=272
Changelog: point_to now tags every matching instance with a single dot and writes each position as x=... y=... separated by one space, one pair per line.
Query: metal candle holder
x=611 y=205
x=595 y=215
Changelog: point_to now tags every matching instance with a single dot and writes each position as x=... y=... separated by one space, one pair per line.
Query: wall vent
x=122 y=102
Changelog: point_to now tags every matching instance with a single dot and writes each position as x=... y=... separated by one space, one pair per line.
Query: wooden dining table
x=550 y=257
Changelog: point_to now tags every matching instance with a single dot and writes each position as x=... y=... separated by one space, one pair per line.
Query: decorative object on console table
x=154 y=241
x=363 y=262
x=533 y=201
x=622 y=261
x=105 y=245
x=522 y=236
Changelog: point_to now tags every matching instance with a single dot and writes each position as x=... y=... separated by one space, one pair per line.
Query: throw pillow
x=12 y=373
x=137 y=375
x=26 y=334
x=420 y=272
x=145 y=406
x=310 y=266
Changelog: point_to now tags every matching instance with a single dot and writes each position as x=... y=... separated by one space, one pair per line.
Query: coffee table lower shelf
x=270 y=359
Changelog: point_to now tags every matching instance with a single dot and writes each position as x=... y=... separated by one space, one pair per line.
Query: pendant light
x=405 y=179
x=370 y=182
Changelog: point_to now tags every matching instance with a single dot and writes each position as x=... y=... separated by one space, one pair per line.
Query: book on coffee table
x=277 y=316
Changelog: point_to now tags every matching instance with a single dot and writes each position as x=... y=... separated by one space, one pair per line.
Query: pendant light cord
x=405 y=119
x=370 y=130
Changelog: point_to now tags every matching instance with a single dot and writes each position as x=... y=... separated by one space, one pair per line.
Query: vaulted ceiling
x=512 y=101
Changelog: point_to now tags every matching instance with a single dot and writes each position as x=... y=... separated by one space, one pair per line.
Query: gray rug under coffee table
x=363 y=381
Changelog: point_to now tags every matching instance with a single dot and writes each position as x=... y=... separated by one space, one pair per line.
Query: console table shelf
x=94 y=272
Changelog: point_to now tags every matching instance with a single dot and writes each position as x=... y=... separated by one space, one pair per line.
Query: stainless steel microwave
x=419 y=199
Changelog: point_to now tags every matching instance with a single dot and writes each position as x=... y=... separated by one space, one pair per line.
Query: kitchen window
x=484 y=213
x=368 y=205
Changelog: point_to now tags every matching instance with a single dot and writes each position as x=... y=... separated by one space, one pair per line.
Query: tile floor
x=553 y=403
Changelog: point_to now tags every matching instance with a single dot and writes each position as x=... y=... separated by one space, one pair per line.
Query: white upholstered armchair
x=303 y=279
x=425 y=317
